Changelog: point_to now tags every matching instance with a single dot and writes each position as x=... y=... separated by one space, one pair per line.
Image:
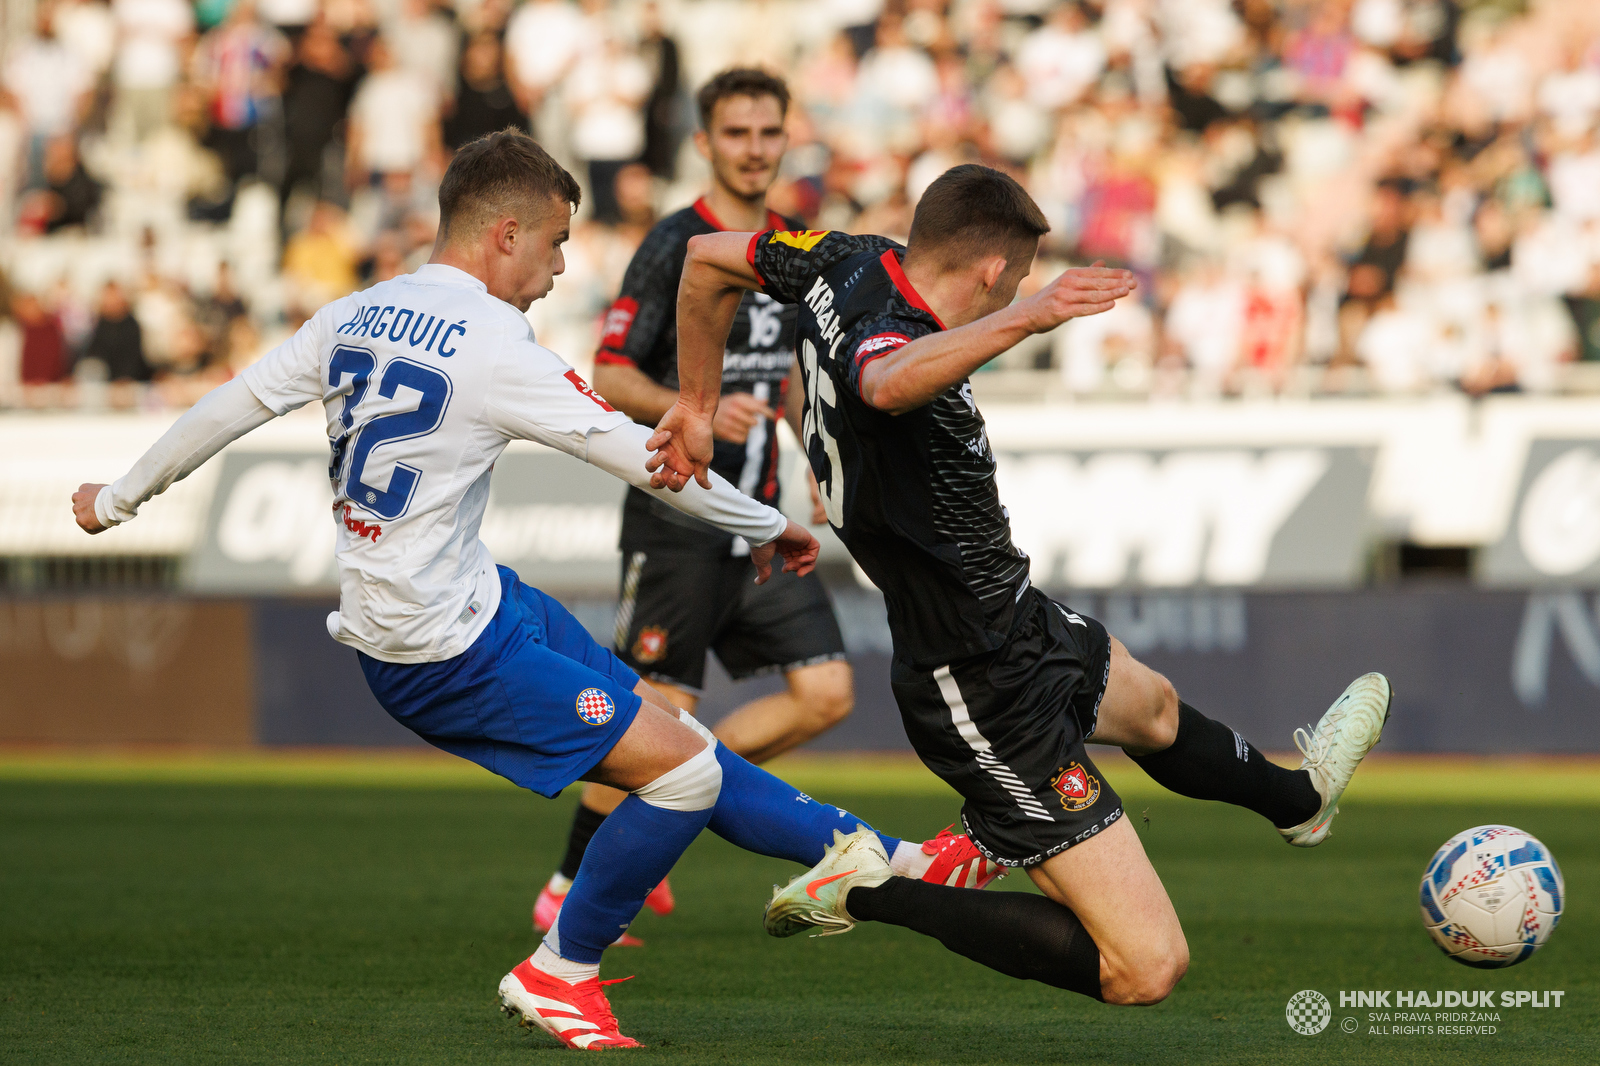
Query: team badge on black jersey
x=1078 y=787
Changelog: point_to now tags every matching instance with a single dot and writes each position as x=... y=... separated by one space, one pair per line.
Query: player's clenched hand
x=83 y=508
x=737 y=414
x=1077 y=292
x=798 y=548
x=682 y=447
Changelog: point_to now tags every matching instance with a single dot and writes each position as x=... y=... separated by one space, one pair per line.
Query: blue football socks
x=766 y=815
x=631 y=852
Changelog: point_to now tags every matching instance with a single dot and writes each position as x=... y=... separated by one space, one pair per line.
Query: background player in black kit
x=998 y=685
x=687 y=587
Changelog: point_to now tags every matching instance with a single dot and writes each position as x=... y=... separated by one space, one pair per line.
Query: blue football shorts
x=534 y=699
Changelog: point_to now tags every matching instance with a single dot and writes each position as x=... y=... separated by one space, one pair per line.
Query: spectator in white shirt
x=896 y=81
x=1396 y=344
x=1571 y=95
x=1205 y=325
x=148 y=63
x=1574 y=180
x=544 y=38
x=51 y=86
x=425 y=40
x=1061 y=59
x=394 y=122
x=289 y=17
x=1118 y=347
x=606 y=92
x=90 y=30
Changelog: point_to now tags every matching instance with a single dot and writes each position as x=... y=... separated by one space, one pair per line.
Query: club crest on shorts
x=651 y=647
x=595 y=707
x=1078 y=787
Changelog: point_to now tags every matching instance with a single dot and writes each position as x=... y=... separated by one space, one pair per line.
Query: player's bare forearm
x=715 y=277
x=630 y=390
x=914 y=374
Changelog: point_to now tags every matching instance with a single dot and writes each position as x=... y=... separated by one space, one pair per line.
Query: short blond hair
x=499 y=175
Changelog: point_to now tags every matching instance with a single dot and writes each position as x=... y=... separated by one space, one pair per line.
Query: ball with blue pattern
x=1491 y=896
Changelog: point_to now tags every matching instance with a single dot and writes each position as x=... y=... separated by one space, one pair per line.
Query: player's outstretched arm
x=715 y=277
x=222 y=416
x=914 y=374
x=621 y=451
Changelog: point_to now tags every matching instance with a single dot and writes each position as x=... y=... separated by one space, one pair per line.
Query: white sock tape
x=690 y=786
x=695 y=724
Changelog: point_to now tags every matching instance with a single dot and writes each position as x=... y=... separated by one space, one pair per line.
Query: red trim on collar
x=703 y=209
x=897 y=274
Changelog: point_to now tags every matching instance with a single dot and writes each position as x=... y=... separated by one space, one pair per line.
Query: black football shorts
x=675 y=605
x=1006 y=730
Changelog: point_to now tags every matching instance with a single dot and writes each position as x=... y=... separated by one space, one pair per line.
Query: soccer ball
x=1491 y=896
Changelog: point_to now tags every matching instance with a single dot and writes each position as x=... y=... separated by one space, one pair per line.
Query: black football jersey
x=641 y=330
x=912 y=496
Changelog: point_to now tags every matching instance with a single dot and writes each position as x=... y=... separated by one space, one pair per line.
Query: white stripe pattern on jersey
x=755 y=447
x=987 y=759
x=630 y=595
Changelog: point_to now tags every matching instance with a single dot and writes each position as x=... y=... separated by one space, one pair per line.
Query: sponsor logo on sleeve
x=1078 y=787
x=583 y=387
x=614 y=333
x=805 y=240
x=881 y=344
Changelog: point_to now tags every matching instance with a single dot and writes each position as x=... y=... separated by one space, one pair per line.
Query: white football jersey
x=423 y=380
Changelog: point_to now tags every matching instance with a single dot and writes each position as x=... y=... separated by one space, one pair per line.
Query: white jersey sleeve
x=222 y=416
x=290 y=376
x=622 y=453
x=536 y=396
x=540 y=398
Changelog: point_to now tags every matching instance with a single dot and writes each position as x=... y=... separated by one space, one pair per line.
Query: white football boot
x=815 y=899
x=1333 y=751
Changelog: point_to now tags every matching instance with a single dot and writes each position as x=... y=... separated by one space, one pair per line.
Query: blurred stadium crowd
x=1320 y=196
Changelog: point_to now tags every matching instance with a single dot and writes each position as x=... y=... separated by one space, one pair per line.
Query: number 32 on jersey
x=351 y=454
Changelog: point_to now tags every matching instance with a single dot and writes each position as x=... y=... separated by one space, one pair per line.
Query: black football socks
x=1210 y=761
x=1017 y=933
x=585 y=821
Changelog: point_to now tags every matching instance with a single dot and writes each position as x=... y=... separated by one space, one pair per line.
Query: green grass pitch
x=325 y=910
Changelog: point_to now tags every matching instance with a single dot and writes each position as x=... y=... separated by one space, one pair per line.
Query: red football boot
x=546 y=907
x=660 y=898
x=577 y=1015
x=958 y=862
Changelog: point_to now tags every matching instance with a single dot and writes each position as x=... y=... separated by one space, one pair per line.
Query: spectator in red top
x=1118 y=207
x=44 y=345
